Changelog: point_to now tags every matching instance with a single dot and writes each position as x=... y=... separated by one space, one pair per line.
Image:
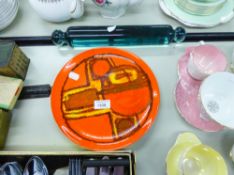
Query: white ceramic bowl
x=217 y=98
x=58 y=10
x=8 y=12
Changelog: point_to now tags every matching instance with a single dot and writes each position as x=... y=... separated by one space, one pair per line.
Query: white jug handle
x=77 y=8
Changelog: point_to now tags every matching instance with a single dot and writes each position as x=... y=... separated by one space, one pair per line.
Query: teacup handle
x=76 y=8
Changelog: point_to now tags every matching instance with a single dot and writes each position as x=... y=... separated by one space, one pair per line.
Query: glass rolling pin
x=83 y=36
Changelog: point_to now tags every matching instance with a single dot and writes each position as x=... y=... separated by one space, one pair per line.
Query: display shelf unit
x=33 y=127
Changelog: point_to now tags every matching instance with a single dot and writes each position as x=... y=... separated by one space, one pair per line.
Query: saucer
x=224 y=15
x=217 y=98
x=186 y=98
x=187 y=102
x=189 y=156
x=201 y=159
x=105 y=99
x=183 y=142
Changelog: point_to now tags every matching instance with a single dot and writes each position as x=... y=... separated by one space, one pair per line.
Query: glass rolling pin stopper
x=92 y=36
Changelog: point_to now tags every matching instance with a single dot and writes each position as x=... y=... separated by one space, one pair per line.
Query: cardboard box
x=5 y=117
x=10 y=89
x=58 y=160
x=13 y=62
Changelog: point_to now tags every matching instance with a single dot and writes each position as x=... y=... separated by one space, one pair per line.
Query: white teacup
x=114 y=8
x=217 y=98
x=206 y=60
x=58 y=10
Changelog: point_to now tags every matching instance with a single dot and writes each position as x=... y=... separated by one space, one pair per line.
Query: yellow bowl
x=183 y=142
x=203 y=160
x=189 y=157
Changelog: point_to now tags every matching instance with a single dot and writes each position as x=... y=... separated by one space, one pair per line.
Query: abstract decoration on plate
x=105 y=98
x=199 y=13
x=197 y=63
x=189 y=156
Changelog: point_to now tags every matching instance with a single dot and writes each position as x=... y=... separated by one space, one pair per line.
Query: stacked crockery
x=199 y=13
x=8 y=12
x=194 y=67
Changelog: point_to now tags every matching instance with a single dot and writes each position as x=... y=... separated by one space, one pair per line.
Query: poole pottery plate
x=105 y=99
x=224 y=14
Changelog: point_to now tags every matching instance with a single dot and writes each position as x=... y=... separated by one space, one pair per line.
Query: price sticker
x=102 y=104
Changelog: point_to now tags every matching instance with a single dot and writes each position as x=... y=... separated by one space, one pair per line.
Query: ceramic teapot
x=114 y=8
x=58 y=10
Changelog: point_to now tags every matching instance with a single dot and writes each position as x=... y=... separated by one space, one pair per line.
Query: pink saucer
x=186 y=98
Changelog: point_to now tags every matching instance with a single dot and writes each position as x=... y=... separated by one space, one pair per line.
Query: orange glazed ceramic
x=105 y=99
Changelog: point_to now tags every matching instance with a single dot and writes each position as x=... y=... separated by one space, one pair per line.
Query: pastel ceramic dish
x=206 y=60
x=202 y=159
x=105 y=99
x=217 y=98
x=8 y=12
x=197 y=7
x=183 y=142
x=188 y=105
x=114 y=8
x=223 y=15
x=187 y=101
x=189 y=156
x=58 y=10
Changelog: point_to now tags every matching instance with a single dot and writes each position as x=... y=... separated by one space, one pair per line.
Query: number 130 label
x=102 y=104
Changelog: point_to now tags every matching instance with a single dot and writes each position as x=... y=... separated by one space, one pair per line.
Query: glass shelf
x=34 y=129
x=148 y=12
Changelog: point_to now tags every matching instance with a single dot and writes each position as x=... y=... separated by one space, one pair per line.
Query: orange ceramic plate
x=105 y=99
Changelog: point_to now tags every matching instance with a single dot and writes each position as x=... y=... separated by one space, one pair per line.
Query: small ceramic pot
x=206 y=60
x=114 y=8
x=59 y=10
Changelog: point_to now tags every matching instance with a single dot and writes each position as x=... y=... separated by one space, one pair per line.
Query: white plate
x=7 y=18
x=217 y=98
x=224 y=15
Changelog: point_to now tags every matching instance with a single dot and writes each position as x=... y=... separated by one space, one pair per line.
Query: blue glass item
x=75 y=167
x=11 y=168
x=118 y=35
x=35 y=166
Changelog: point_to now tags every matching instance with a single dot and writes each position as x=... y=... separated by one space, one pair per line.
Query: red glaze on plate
x=105 y=99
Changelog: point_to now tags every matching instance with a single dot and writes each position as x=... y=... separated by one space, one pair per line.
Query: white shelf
x=34 y=129
x=28 y=23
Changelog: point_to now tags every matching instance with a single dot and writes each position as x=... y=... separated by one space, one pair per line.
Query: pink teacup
x=206 y=60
